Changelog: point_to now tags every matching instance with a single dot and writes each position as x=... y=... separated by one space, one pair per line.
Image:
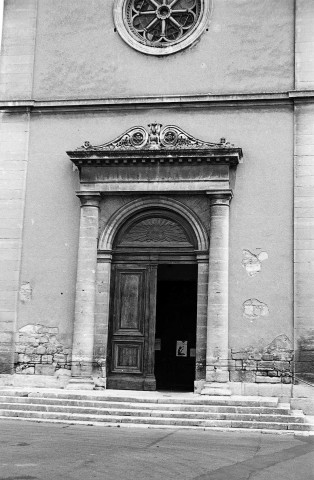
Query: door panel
x=127 y=356
x=129 y=308
x=132 y=327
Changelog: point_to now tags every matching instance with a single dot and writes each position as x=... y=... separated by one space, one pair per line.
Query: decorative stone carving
x=168 y=138
x=155 y=230
x=160 y=27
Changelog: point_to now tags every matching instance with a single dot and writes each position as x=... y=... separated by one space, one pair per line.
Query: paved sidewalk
x=31 y=451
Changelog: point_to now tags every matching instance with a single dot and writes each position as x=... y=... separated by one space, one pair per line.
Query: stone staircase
x=152 y=409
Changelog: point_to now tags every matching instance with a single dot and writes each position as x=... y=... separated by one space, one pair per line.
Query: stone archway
x=150 y=202
x=147 y=239
x=158 y=162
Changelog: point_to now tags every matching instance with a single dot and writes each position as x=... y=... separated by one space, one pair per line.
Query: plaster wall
x=261 y=211
x=14 y=137
x=248 y=47
x=17 y=49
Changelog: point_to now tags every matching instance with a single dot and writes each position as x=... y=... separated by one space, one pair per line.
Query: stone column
x=217 y=372
x=83 y=335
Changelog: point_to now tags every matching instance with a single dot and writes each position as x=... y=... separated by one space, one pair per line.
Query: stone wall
x=232 y=55
x=272 y=363
x=39 y=352
x=16 y=81
x=304 y=193
x=14 y=135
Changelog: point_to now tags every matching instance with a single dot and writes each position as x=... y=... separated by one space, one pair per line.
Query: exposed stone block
x=30 y=329
x=240 y=356
x=241 y=376
x=280 y=343
x=53 y=330
x=60 y=358
x=43 y=339
x=20 y=348
x=283 y=356
x=256 y=355
x=46 y=359
x=282 y=366
x=264 y=379
x=35 y=358
x=29 y=350
x=261 y=373
x=272 y=373
x=43 y=329
x=41 y=350
x=286 y=380
x=25 y=370
x=264 y=365
x=51 y=349
x=46 y=369
x=238 y=365
x=25 y=358
x=267 y=357
x=249 y=364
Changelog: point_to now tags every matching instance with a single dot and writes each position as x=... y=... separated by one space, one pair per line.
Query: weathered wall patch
x=26 y=292
x=264 y=363
x=254 y=309
x=38 y=351
x=253 y=262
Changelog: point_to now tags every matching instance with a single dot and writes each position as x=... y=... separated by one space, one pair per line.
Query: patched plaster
x=254 y=309
x=26 y=292
x=253 y=262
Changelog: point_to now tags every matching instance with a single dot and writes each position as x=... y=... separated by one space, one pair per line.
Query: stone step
x=165 y=421
x=143 y=397
x=107 y=403
x=152 y=413
x=154 y=409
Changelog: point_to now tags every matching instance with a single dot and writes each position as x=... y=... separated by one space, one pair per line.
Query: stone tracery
x=161 y=22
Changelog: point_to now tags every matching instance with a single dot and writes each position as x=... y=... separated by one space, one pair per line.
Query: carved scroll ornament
x=155 y=137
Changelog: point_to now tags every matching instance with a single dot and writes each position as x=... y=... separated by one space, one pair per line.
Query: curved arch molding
x=136 y=206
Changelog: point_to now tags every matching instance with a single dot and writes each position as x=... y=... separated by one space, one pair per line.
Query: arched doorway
x=153 y=306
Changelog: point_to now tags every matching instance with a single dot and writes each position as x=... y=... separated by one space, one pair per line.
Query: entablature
x=156 y=159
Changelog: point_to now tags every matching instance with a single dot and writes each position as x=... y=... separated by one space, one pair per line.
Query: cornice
x=160 y=101
x=156 y=144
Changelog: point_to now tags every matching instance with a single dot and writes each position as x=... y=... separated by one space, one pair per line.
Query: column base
x=80 y=383
x=216 y=389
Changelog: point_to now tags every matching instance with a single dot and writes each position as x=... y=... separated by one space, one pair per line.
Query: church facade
x=157 y=200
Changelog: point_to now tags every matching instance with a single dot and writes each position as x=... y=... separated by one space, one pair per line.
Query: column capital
x=220 y=198
x=89 y=199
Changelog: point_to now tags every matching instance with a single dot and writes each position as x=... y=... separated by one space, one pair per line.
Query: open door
x=132 y=332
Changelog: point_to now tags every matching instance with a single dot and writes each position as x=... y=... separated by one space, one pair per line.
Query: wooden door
x=132 y=327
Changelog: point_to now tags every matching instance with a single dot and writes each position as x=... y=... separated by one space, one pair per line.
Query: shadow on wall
x=304 y=358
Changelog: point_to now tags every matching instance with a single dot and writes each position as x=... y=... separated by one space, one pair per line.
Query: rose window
x=161 y=22
x=160 y=26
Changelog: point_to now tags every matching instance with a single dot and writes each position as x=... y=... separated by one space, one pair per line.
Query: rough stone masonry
x=39 y=352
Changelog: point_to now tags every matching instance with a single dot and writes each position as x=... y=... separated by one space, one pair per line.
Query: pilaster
x=83 y=335
x=217 y=373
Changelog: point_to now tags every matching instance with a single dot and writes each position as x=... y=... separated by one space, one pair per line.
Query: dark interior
x=176 y=322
